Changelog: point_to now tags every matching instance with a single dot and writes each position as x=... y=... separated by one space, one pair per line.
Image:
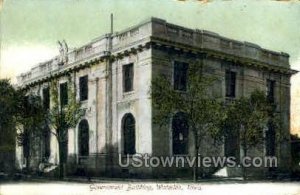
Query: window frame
x=46 y=144
x=129 y=138
x=230 y=83
x=128 y=77
x=83 y=126
x=83 y=90
x=271 y=85
x=185 y=138
x=63 y=94
x=46 y=98
x=180 y=74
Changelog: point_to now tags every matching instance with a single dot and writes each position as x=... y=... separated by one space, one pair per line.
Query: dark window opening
x=83 y=138
x=129 y=134
x=270 y=140
x=46 y=98
x=46 y=141
x=271 y=90
x=64 y=148
x=230 y=81
x=83 y=88
x=231 y=146
x=128 y=77
x=180 y=75
x=63 y=94
x=26 y=144
x=180 y=129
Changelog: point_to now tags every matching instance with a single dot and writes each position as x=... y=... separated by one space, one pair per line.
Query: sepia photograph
x=150 y=96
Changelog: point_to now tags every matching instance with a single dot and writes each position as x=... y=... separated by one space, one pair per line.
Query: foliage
x=23 y=109
x=248 y=118
x=8 y=112
x=31 y=117
x=204 y=112
x=22 y=118
x=295 y=151
x=63 y=118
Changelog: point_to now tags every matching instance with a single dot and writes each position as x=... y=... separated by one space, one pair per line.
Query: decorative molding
x=167 y=45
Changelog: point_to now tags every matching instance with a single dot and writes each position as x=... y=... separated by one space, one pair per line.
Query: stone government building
x=112 y=75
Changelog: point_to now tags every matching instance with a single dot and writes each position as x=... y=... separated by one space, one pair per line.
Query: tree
x=248 y=118
x=203 y=111
x=24 y=110
x=63 y=117
x=21 y=115
x=31 y=121
x=57 y=120
x=8 y=111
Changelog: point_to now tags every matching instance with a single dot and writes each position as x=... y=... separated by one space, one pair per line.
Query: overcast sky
x=30 y=28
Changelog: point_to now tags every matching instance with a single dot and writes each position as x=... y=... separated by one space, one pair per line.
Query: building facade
x=112 y=78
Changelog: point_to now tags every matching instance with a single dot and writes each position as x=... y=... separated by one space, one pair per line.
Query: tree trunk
x=61 y=162
x=196 y=150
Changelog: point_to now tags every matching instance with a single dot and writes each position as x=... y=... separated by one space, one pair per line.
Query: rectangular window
x=180 y=75
x=63 y=94
x=83 y=88
x=46 y=140
x=46 y=98
x=271 y=90
x=230 y=81
x=128 y=77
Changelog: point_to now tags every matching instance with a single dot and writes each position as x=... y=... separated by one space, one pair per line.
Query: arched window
x=83 y=138
x=180 y=130
x=128 y=128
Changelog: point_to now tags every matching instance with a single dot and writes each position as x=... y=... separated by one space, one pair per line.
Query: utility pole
x=111 y=23
x=109 y=149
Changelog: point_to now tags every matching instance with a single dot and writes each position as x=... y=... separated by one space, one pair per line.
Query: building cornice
x=249 y=62
x=158 y=33
x=85 y=63
x=64 y=71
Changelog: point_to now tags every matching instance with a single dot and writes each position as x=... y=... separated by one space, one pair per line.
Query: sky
x=30 y=29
